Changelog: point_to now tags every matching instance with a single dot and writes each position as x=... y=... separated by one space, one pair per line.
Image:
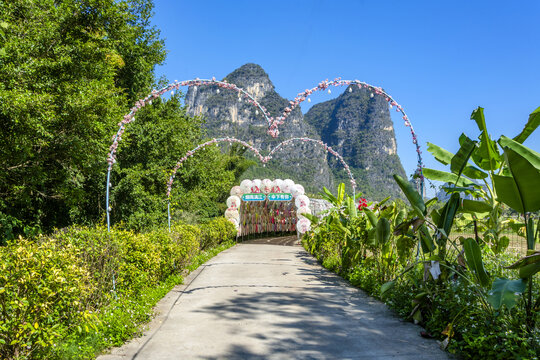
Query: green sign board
x=279 y=197
x=254 y=197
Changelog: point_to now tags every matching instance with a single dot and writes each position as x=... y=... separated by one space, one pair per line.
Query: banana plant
x=440 y=221
x=488 y=162
x=518 y=186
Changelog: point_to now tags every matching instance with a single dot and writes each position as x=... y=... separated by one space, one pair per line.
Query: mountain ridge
x=355 y=124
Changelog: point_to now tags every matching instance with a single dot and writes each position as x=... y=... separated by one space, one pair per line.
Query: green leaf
x=530 y=127
x=426 y=240
x=415 y=199
x=448 y=213
x=441 y=155
x=372 y=237
x=505 y=292
x=473 y=172
x=383 y=201
x=526 y=260
x=402 y=228
x=329 y=196
x=487 y=156
x=473 y=256
x=432 y=201
x=383 y=231
x=351 y=208
x=475 y=207
x=460 y=159
x=527 y=153
x=519 y=191
x=340 y=194
x=371 y=217
x=507 y=192
x=400 y=216
x=387 y=286
x=435 y=215
x=446 y=177
x=529 y=270
x=314 y=219
x=445 y=157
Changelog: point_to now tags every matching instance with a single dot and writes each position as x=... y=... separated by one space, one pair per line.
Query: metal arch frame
x=273 y=123
x=325 y=84
x=327 y=148
x=263 y=159
x=130 y=117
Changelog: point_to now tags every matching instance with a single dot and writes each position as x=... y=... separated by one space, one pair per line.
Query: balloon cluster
x=266 y=187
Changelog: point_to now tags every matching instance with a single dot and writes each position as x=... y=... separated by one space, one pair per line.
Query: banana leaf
x=473 y=256
x=383 y=231
x=415 y=199
x=426 y=240
x=340 y=194
x=475 y=207
x=441 y=155
x=446 y=177
x=530 y=127
x=505 y=292
x=445 y=157
x=460 y=159
x=400 y=216
x=521 y=191
x=487 y=156
x=387 y=286
x=351 y=208
x=371 y=217
x=448 y=213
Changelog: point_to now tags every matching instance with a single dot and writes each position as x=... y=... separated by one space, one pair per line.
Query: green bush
x=216 y=231
x=80 y=290
x=41 y=287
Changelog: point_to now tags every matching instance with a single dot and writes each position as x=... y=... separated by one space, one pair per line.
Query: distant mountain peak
x=249 y=73
x=253 y=79
x=356 y=124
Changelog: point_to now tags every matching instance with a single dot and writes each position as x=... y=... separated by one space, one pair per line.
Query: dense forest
x=69 y=71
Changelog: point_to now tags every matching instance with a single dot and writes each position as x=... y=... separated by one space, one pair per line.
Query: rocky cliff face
x=357 y=125
x=227 y=116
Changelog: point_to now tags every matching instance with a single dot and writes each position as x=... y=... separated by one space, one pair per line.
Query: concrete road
x=258 y=301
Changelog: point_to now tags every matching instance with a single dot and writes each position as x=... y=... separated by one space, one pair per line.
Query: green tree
x=151 y=146
x=68 y=71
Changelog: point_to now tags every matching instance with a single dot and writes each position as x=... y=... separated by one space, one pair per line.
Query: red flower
x=362 y=204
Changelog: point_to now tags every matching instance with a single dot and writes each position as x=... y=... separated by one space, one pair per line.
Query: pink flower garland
x=273 y=123
x=263 y=159
x=325 y=84
x=130 y=117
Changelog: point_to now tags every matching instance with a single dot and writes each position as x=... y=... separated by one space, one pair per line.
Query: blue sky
x=438 y=59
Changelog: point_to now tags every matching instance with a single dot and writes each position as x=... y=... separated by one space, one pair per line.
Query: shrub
x=40 y=290
x=216 y=231
x=82 y=289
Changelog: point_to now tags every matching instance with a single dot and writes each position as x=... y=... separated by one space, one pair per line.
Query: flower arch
x=326 y=147
x=256 y=152
x=325 y=84
x=130 y=117
x=273 y=123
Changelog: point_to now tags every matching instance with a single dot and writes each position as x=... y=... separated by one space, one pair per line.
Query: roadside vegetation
x=479 y=298
x=70 y=70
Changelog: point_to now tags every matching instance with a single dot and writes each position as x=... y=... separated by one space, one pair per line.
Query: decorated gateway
x=263 y=206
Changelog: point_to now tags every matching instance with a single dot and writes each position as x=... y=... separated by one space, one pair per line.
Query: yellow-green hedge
x=55 y=285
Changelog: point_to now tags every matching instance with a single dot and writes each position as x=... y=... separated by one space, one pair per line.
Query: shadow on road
x=327 y=320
